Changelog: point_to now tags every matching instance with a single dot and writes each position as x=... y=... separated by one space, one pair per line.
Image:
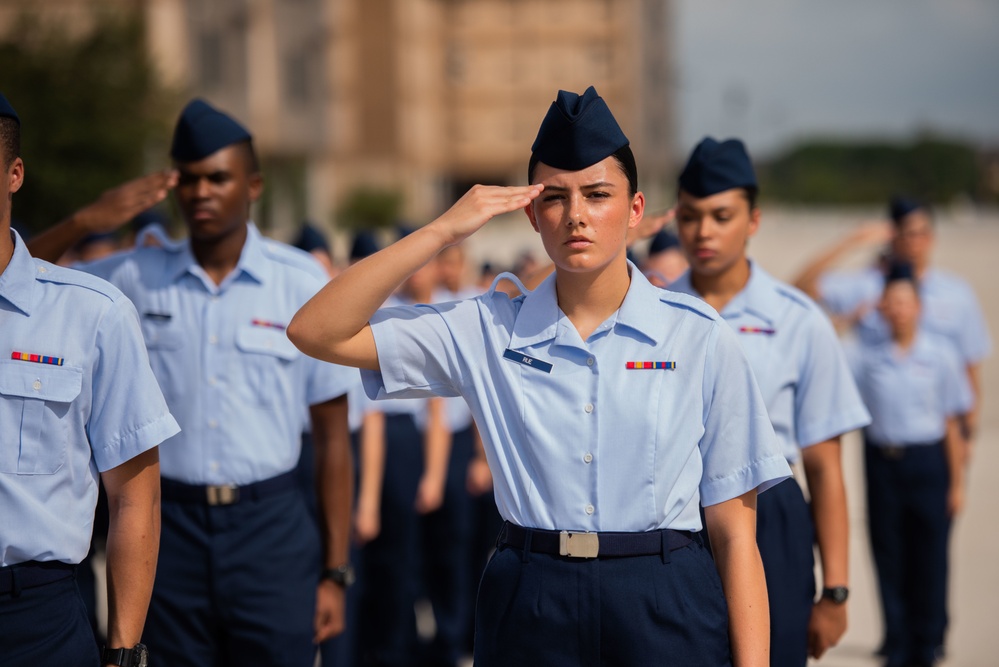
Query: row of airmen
x=250 y=572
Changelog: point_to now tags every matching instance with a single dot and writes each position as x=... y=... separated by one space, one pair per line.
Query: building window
x=210 y=65
x=296 y=78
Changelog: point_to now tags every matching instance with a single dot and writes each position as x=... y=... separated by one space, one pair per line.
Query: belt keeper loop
x=665 y=547
x=525 y=555
x=15 y=583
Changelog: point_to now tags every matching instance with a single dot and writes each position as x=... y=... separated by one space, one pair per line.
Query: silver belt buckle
x=578 y=545
x=222 y=494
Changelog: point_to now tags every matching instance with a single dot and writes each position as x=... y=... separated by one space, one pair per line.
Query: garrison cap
x=364 y=244
x=662 y=242
x=578 y=131
x=6 y=110
x=309 y=239
x=900 y=271
x=715 y=167
x=202 y=130
x=899 y=207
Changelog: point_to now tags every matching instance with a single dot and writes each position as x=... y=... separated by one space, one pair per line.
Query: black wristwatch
x=837 y=594
x=137 y=656
x=343 y=576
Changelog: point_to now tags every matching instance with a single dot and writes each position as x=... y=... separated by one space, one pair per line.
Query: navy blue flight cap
x=202 y=130
x=715 y=167
x=364 y=244
x=663 y=241
x=578 y=131
x=6 y=110
x=900 y=271
x=901 y=207
x=310 y=238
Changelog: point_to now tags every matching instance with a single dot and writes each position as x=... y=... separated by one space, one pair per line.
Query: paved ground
x=969 y=245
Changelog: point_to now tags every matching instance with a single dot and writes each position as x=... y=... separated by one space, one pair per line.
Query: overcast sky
x=772 y=71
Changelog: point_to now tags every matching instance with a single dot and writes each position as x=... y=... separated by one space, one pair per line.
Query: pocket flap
x=262 y=340
x=26 y=379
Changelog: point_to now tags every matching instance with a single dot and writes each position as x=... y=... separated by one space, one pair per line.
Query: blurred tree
x=91 y=110
x=830 y=172
x=368 y=207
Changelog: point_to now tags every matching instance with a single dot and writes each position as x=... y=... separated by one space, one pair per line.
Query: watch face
x=140 y=656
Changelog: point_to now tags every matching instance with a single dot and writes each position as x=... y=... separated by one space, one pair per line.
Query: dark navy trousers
x=447 y=557
x=235 y=584
x=910 y=529
x=391 y=562
x=46 y=625
x=785 y=534
x=536 y=610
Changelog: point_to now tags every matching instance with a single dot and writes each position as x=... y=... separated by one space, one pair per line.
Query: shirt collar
x=17 y=282
x=252 y=260
x=540 y=318
x=758 y=298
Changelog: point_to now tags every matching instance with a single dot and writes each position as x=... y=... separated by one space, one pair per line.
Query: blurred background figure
x=664 y=262
x=916 y=388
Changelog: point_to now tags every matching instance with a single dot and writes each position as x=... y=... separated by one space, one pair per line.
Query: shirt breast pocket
x=268 y=354
x=160 y=334
x=36 y=399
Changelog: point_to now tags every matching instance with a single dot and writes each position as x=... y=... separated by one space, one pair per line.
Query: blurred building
x=422 y=96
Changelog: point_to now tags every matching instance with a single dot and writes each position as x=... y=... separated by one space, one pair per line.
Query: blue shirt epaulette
x=53 y=273
x=796 y=295
x=688 y=302
x=293 y=257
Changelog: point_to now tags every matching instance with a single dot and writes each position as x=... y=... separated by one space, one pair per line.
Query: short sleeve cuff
x=760 y=475
x=391 y=378
x=138 y=441
x=833 y=428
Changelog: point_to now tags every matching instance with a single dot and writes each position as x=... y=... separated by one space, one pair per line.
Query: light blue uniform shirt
x=949 y=308
x=910 y=394
x=797 y=359
x=575 y=440
x=60 y=425
x=456 y=410
x=230 y=375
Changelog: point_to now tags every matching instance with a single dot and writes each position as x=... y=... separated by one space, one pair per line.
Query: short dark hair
x=10 y=140
x=625 y=159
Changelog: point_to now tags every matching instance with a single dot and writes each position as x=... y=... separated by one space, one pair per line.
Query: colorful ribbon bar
x=36 y=358
x=757 y=330
x=651 y=365
x=268 y=324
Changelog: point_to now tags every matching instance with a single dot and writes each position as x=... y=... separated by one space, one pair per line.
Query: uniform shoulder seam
x=61 y=275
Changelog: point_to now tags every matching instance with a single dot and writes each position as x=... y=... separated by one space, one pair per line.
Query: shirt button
x=214 y=465
x=589 y=509
x=588 y=408
x=587 y=457
x=212 y=381
x=42 y=269
x=37 y=385
x=589 y=362
x=213 y=339
x=212 y=423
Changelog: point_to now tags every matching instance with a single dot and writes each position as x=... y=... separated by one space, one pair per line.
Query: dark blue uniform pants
x=235 y=584
x=548 y=611
x=391 y=562
x=910 y=528
x=785 y=534
x=447 y=535
x=46 y=625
